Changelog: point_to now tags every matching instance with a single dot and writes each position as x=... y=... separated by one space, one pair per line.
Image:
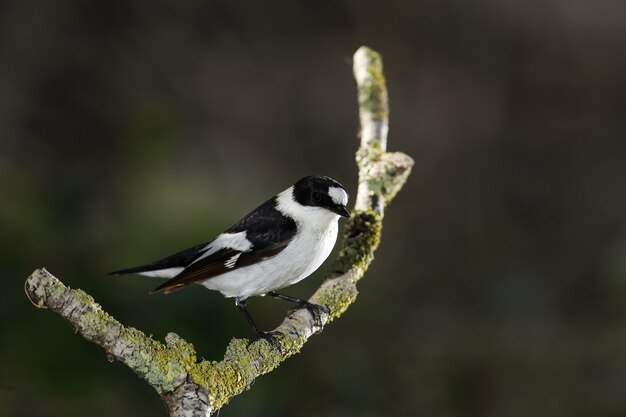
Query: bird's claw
x=317 y=311
x=270 y=337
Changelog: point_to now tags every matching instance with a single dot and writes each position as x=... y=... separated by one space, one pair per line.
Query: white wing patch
x=237 y=241
x=230 y=263
x=338 y=195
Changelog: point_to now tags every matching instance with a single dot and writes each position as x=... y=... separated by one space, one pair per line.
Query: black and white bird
x=279 y=243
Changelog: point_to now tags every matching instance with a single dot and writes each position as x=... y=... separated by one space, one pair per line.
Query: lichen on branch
x=193 y=388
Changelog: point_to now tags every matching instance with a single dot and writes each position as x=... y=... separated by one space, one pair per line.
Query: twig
x=193 y=388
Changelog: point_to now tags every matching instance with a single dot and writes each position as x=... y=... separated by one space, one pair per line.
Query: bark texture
x=199 y=388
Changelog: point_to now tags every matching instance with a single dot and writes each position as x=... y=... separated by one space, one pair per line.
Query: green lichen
x=337 y=298
x=160 y=365
x=372 y=93
x=93 y=321
x=369 y=153
x=57 y=290
x=37 y=296
x=44 y=290
x=242 y=363
x=92 y=324
x=361 y=238
x=84 y=298
x=397 y=167
x=384 y=173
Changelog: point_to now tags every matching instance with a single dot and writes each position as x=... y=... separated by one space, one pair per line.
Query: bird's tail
x=133 y=270
x=167 y=267
x=150 y=270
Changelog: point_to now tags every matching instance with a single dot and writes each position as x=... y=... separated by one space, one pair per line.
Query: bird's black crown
x=314 y=191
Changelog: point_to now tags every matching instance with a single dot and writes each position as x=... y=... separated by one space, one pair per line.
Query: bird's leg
x=269 y=336
x=317 y=311
x=241 y=304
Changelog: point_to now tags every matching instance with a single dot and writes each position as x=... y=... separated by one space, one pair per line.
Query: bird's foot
x=270 y=337
x=318 y=312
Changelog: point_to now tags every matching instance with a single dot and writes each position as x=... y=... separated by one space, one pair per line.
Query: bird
x=278 y=244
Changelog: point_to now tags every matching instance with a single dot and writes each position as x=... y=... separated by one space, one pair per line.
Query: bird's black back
x=266 y=226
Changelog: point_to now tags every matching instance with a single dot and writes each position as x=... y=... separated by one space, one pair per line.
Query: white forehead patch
x=338 y=195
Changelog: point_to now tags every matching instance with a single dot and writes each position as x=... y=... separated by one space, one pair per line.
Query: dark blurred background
x=129 y=130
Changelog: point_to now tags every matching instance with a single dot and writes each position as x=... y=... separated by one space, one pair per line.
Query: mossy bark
x=199 y=388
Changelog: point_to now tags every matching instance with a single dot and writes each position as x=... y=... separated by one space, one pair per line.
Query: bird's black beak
x=342 y=211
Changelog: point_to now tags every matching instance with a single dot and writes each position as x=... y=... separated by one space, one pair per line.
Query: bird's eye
x=316 y=196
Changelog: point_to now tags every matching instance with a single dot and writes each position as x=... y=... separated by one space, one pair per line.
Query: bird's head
x=323 y=192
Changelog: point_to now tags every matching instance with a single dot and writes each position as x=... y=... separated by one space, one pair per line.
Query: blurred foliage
x=129 y=130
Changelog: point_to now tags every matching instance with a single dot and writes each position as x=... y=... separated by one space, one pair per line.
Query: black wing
x=266 y=228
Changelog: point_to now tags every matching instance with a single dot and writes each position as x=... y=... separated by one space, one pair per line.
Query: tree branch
x=198 y=388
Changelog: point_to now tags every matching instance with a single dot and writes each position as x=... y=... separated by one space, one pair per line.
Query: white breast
x=317 y=233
